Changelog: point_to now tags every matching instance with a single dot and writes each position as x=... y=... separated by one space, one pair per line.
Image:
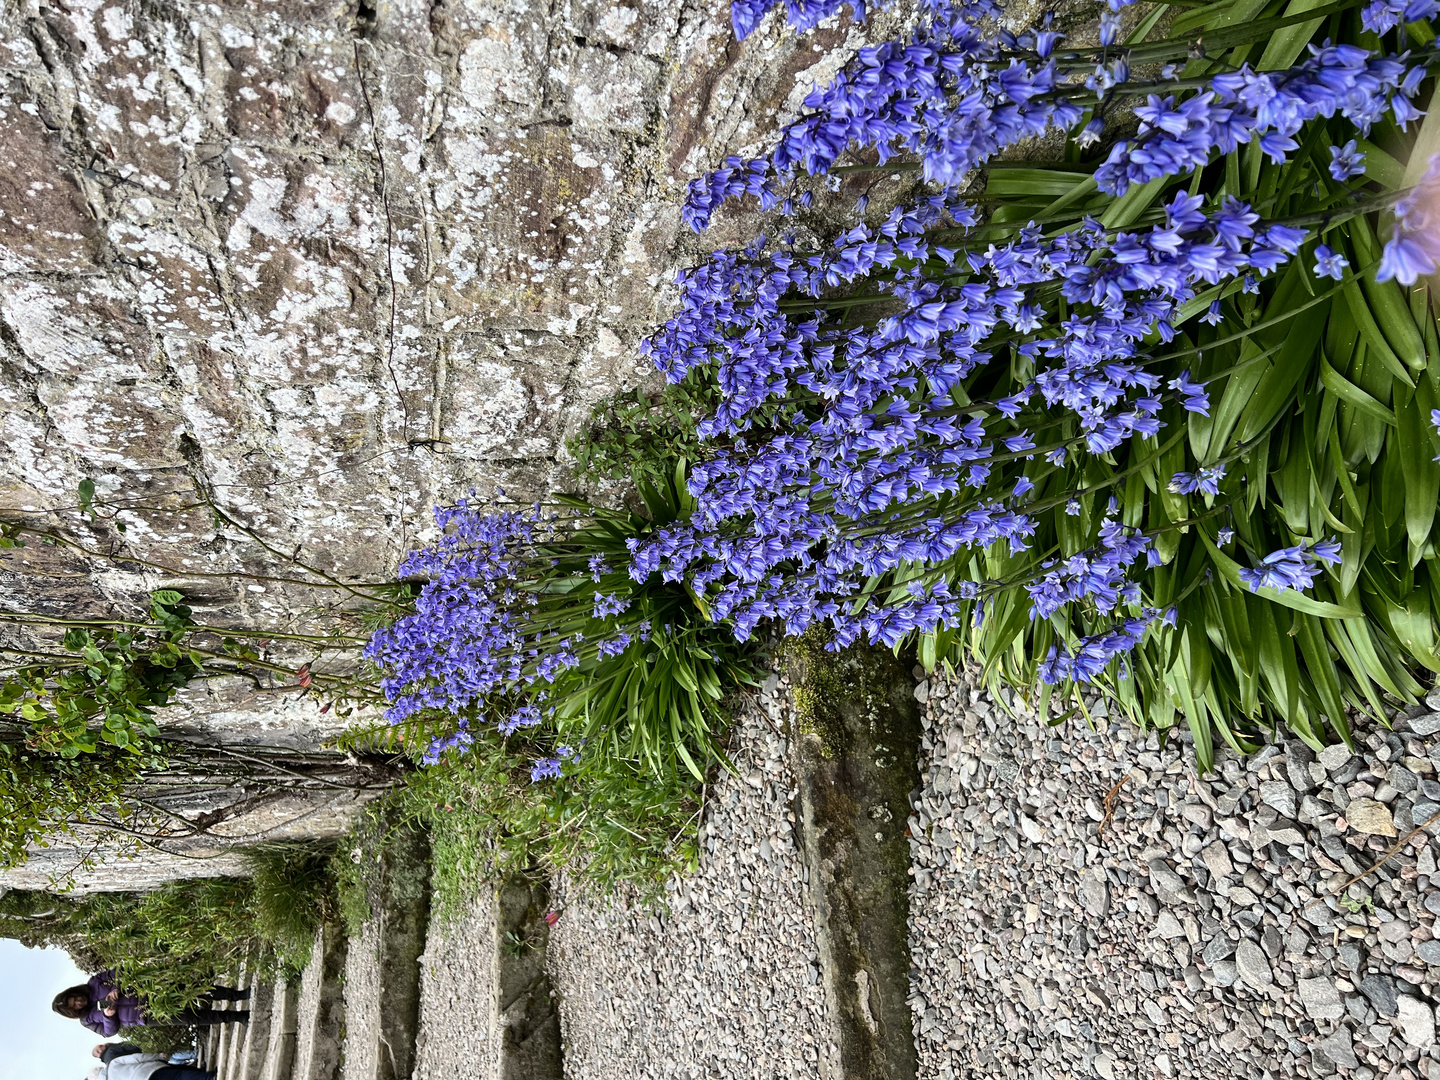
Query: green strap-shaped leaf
x=1274 y=393
x=1422 y=474
x=1381 y=167
x=1287 y=44
x=1051 y=183
x=1370 y=331
x=1414 y=627
x=1319 y=665
x=1351 y=394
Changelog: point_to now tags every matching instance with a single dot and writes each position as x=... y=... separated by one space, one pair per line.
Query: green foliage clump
x=170 y=945
x=610 y=825
x=44 y=795
x=107 y=693
x=639 y=435
x=292 y=891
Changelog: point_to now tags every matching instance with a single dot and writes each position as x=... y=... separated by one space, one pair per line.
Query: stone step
x=321 y=1008
x=256 y=1044
x=284 y=1019
x=494 y=953
x=382 y=968
x=233 y=1037
x=524 y=1011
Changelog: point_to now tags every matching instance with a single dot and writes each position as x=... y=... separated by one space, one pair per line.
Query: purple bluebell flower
x=614 y=604
x=1329 y=263
x=551 y=768
x=1110 y=26
x=1206 y=480
x=1292 y=567
x=1414 y=247
x=1346 y=161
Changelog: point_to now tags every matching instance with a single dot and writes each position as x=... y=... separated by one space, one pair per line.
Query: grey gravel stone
x=1226 y=972
x=1298 y=759
x=1168 y=926
x=1429 y=951
x=1094 y=892
x=1169 y=885
x=1381 y=993
x=1320 y=998
x=1428 y=724
x=1351 y=955
x=1217 y=860
x=1281 y=796
x=1417 y=1022
x=1339 y=1049
x=1218 y=949
x=1334 y=756
x=1253 y=967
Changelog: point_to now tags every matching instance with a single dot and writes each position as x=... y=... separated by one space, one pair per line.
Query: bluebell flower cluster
x=1382 y=16
x=1292 y=567
x=802 y=15
x=799 y=511
x=1101 y=575
x=845 y=452
x=478 y=642
x=1177 y=136
x=956 y=92
x=1205 y=481
x=1090 y=655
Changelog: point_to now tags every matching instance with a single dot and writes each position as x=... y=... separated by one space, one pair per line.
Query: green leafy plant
x=1320 y=394
x=639 y=435
x=611 y=826
x=44 y=795
x=292 y=891
x=107 y=691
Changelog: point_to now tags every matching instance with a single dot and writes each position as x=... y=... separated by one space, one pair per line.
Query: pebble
x=1426 y=725
x=1369 y=816
x=1169 y=884
x=1281 y=796
x=1417 y=1022
x=1321 y=999
x=1168 y=926
x=1253 y=967
x=1381 y=993
x=1094 y=892
x=1335 y=756
x=1340 y=1049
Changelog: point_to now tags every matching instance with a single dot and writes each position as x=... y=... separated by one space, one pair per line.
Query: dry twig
x=1394 y=850
x=1110 y=799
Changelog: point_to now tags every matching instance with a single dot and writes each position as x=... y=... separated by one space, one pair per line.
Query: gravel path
x=456 y=973
x=1180 y=941
x=727 y=983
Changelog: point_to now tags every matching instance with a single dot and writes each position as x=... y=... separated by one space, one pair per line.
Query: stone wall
x=327 y=263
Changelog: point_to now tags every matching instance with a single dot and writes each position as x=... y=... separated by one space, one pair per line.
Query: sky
x=37 y=1043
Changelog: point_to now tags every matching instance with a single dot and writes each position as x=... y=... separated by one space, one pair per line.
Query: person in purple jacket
x=101 y=1006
